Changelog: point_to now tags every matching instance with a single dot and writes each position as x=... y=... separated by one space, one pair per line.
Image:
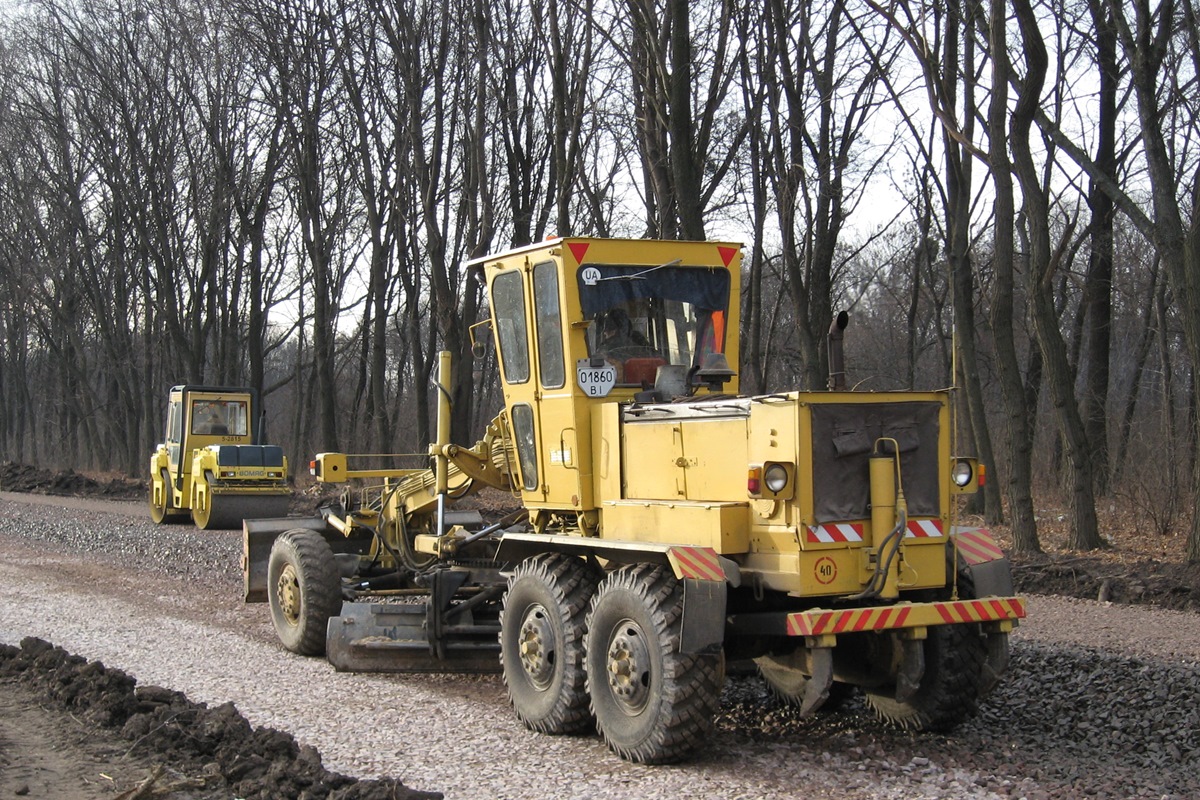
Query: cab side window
x=508 y=304
x=549 y=325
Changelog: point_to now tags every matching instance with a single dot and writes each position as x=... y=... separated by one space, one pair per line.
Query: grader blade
x=393 y=637
x=258 y=535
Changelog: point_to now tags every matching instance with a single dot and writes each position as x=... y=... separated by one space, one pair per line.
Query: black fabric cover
x=844 y=436
x=250 y=455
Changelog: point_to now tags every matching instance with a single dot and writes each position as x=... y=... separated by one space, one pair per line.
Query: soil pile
x=16 y=477
x=1164 y=584
x=216 y=749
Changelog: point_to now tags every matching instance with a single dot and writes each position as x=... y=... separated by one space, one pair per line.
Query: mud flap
x=996 y=664
x=703 y=616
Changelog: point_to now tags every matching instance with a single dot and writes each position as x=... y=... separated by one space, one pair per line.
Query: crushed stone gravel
x=1101 y=701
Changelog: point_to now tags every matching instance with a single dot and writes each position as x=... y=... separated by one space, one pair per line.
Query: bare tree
x=1160 y=48
x=1043 y=261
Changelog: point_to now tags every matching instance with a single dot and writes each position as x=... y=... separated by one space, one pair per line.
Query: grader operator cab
x=668 y=523
x=213 y=464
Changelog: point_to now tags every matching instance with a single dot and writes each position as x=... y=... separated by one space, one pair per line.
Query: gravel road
x=1102 y=701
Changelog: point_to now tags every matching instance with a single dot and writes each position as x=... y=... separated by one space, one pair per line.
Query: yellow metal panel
x=652 y=457
x=714 y=459
x=828 y=572
x=924 y=564
x=606 y=451
x=721 y=526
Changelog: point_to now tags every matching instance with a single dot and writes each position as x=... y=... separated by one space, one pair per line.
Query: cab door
x=562 y=417
x=175 y=428
x=510 y=304
x=527 y=309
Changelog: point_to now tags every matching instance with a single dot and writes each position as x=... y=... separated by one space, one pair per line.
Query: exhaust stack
x=837 y=359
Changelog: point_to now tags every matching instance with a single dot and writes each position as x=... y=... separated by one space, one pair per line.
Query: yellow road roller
x=213 y=464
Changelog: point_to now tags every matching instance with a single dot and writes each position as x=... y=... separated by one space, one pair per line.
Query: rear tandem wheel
x=541 y=642
x=653 y=704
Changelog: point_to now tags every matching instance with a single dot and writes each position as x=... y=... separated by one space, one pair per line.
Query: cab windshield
x=219 y=417
x=646 y=317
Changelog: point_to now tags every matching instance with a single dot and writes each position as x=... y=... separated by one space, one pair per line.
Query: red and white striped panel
x=700 y=563
x=976 y=545
x=923 y=529
x=836 y=532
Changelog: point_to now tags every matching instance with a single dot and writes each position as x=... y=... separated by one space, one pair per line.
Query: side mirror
x=479 y=346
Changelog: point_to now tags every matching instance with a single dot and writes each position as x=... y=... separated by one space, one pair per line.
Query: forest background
x=282 y=193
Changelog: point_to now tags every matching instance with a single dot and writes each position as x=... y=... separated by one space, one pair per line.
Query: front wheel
x=304 y=589
x=541 y=642
x=653 y=704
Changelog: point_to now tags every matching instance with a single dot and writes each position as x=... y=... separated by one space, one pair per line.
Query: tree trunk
x=1040 y=276
x=1097 y=289
x=1020 y=429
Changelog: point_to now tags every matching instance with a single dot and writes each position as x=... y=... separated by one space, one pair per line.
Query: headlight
x=963 y=473
x=776 y=478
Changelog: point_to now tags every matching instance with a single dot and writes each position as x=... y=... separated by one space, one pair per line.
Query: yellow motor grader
x=213 y=465
x=667 y=523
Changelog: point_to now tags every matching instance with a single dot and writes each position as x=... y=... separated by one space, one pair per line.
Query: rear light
x=772 y=480
x=314 y=469
x=982 y=475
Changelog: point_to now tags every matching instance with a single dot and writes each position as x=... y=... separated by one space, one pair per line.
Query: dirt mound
x=217 y=750
x=1137 y=566
x=1101 y=577
x=25 y=478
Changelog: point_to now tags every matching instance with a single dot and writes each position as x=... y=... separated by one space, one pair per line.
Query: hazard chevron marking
x=907 y=615
x=700 y=563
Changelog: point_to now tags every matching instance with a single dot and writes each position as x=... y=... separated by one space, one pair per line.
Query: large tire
x=788 y=684
x=304 y=588
x=999 y=643
x=541 y=642
x=949 y=692
x=653 y=704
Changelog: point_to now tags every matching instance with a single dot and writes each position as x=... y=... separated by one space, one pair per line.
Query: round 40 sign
x=596 y=381
x=825 y=570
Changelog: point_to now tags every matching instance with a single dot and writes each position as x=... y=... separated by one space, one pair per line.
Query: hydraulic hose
x=884 y=564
